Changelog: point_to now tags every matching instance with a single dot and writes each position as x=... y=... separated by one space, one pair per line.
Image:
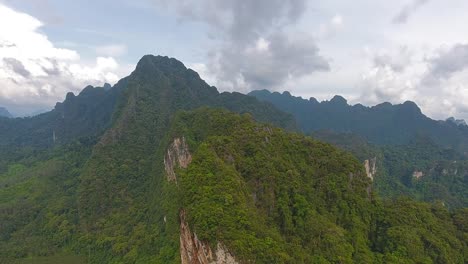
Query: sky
x=369 y=51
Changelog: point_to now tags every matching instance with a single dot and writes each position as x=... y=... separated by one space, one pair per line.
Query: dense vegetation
x=275 y=197
x=403 y=141
x=443 y=172
x=102 y=196
x=117 y=211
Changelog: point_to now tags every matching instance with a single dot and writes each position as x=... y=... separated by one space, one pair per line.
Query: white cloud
x=255 y=46
x=34 y=73
x=439 y=85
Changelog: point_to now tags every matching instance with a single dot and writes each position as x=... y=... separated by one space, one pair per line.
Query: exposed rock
x=177 y=155
x=370 y=166
x=223 y=256
x=194 y=251
x=417 y=174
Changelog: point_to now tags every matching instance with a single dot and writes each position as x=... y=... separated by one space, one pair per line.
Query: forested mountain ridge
x=381 y=124
x=86 y=114
x=90 y=112
x=173 y=165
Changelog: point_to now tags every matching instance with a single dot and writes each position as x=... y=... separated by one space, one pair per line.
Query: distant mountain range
x=382 y=124
x=4 y=113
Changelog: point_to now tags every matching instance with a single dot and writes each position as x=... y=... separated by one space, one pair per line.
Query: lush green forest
x=268 y=194
x=420 y=169
x=415 y=156
x=275 y=197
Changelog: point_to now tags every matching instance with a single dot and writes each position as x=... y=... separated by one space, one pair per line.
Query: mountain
x=4 y=113
x=458 y=122
x=382 y=124
x=410 y=153
x=171 y=171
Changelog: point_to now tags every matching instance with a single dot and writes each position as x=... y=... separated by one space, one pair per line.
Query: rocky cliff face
x=177 y=155
x=192 y=250
x=370 y=166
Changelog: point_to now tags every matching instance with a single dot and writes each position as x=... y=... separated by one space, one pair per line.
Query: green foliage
x=268 y=195
x=38 y=202
x=443 y=170
x=251 y=185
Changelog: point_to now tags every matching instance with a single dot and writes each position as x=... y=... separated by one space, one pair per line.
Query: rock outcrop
x=370 y=166
x=194 y=251
x=417 y=174
x=177 y=155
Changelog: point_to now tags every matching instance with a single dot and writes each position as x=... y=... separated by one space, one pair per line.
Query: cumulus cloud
x=448 y=62
x=408 y=10
x=16 y=66
x=34 y=73
x=254 y=45
x=397 y=60
x=437 y=80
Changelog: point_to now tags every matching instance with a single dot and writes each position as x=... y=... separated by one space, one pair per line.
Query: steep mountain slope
x=167 y=183
x=272 y=197
x=125 y=172
x=78 y=116
x=4 y=113
x=138 y=109
x=91 y=112
x=381 y=124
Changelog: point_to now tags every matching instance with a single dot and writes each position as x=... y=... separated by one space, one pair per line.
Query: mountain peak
x=107 y=87
x=163 y=63
x=4 y=112
x=411 y=106
x=338 y=99
x=458 y=122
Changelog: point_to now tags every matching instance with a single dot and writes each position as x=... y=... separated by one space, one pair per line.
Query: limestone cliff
x=192 y=250
x=370 y=166
x=177 y=155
